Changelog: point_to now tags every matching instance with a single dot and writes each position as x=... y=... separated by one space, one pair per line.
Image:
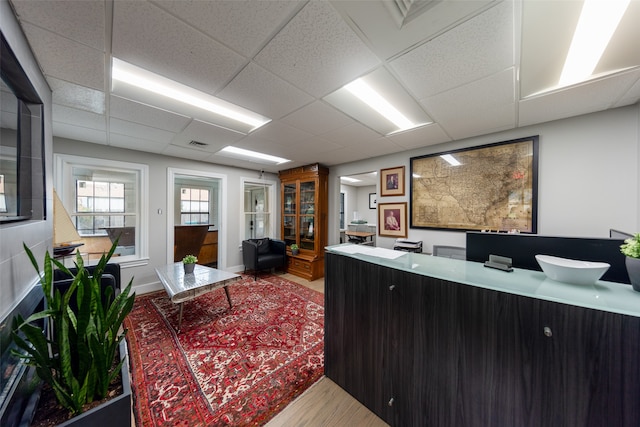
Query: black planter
x=633 y=269
x=115 y=412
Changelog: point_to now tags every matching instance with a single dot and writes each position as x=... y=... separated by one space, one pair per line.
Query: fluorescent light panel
x=346 y=178
x=373 y=99
x=132 y=75
x=253 y=155
x=598 y=21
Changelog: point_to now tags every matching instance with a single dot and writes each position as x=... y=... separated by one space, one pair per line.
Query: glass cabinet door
x=307 y=214
x=289 y=213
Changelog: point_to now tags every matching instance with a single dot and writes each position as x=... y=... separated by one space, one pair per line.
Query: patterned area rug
x=234 y=366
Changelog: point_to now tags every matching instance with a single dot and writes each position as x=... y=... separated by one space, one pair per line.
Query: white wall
x=588 y=176
x=144 y=276
x=17 y=275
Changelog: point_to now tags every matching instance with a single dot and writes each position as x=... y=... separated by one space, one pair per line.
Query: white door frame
x=222 y=210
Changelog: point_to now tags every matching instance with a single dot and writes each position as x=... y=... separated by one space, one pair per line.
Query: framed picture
x=392 y=219
x=492 y=187
x=392 y=181
x=372 y=200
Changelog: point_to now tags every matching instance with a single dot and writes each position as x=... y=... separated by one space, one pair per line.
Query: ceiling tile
x=215 y=137
x=72 y=116
x=475 y=49
x=580 y=99
x=278 y=132
x=258 y=90
x=136 y=130
x=352 y=135
x=631 y=96
x=185 y=153
x=135 y=143
x=486 y=105
x=87 y=16
x=244 y=26
x=125 y=109
x=317 y=50
x=387 y=38
x=76 y=96
x=422 y=137
x=317 y=118
x=150 y=38
x=70 y=131
x=65 y=59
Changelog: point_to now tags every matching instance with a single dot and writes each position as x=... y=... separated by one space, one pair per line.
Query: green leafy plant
x=190 y=259
x=294 y=247
x=631 y=246
x=76 y=352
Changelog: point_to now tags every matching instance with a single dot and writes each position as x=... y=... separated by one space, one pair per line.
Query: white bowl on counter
x=572 y=271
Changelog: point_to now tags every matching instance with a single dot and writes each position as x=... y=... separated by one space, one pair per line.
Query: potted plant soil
x=81 y=352
x=631 y=249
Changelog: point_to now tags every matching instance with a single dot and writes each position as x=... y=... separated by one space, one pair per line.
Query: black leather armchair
x=263 y=254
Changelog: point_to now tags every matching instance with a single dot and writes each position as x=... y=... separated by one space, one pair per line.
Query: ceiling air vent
x=404 y=11
x=198 y=144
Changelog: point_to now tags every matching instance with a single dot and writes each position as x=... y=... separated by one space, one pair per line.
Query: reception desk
x=430 y=341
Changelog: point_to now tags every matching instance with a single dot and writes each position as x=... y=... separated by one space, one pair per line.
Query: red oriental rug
x=234 y=366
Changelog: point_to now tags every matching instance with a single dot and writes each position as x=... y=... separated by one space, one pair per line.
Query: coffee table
x=183 y=287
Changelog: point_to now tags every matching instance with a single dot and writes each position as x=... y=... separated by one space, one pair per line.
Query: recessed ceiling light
x=596 y=25
x=379 y=102
x=251 y=155
x=369 y=96
x=127 y=78
x=347 y=179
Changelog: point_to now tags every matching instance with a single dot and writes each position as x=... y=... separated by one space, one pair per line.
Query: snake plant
x=76 y=353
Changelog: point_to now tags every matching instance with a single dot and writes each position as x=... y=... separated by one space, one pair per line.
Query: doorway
x=196 y=216
x=358 y=202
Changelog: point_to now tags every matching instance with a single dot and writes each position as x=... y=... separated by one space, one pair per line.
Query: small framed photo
x=372 y=201
x=392 y=181
x=392 y=219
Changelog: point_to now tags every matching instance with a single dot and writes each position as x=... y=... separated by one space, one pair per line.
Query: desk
x=183 y=287
x=360 y=236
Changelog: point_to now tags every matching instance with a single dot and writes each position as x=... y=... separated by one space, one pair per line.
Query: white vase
x=633 y=268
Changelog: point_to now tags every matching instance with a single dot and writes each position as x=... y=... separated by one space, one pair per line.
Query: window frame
x=209 y=201
x=271 y=201
x=65 y=183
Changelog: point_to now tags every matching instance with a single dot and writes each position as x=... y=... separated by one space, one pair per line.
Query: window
x=99 y=206
x=341 y=211
x=258 y=202
x=105 y=201
x=194 y=206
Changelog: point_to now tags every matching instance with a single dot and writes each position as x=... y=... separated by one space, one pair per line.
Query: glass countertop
x=606 y=296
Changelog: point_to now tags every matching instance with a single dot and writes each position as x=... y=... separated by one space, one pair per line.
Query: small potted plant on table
x=294 y=249
x=189 y=262
x=631 y=249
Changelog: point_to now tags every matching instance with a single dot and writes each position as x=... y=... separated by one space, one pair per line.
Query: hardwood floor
x=324 y=404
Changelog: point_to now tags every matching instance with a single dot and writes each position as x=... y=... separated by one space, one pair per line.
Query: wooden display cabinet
x=304 y=218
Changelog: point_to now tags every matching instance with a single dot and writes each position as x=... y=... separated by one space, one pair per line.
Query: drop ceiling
x=474 y=67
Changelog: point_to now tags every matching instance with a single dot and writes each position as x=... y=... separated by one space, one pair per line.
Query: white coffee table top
x=183 y=287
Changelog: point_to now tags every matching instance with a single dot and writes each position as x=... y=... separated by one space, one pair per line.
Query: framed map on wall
x=492 y=187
